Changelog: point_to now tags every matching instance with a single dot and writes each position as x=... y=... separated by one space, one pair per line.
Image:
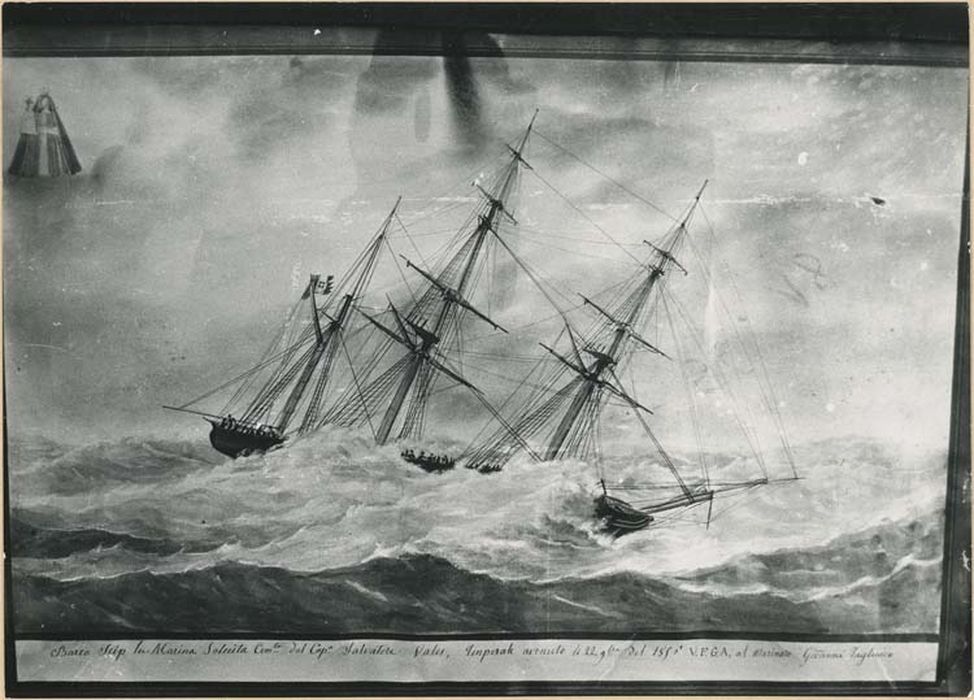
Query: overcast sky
x=214 y=185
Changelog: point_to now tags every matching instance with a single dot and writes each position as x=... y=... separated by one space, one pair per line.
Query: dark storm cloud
x=214 y=186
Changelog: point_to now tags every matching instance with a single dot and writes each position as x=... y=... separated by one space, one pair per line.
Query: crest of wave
x=333 y=500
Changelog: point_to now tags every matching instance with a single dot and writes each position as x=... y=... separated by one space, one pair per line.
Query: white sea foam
x=333 y=501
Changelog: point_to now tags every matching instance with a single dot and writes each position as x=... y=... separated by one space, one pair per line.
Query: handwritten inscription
x=593 y=653
x=857 y=655
x=62 y=651
x=391 y=660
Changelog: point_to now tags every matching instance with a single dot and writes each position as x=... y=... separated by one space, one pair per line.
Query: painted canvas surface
x=783 y=383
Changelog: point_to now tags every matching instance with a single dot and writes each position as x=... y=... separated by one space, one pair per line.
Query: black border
x=852 y=32
x=874 y=33
x=954 y=660
x=940 y=22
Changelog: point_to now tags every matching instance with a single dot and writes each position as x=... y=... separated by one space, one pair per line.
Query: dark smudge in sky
x=213 y=186
x=464 y=93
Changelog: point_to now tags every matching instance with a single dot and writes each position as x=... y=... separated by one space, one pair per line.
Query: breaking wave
x=850 y=544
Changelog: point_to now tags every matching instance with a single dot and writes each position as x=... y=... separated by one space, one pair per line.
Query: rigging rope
x=412 y=242
x=531 y=275
x=691 y=399
x=749 y=433
x=768 y=393
x=607 y=177
x=392 y=254
x=571 y=204
x=586 y=255
x=243 y=375
x=275 y=342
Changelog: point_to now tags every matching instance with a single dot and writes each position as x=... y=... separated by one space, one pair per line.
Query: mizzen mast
x=625 y=318
x=564 y=411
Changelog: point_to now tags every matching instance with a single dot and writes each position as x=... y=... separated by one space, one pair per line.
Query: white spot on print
x=841 y=246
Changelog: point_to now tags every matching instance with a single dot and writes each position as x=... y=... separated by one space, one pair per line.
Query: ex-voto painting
x=504 y=367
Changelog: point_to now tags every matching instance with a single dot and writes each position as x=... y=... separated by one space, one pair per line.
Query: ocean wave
x=41 y=466
x=841 y=566
x=418 y=594
x=334 y=501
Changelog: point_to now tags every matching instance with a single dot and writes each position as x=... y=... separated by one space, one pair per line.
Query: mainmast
x=422 y=332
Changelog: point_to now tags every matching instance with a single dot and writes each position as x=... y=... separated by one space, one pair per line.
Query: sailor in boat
x=430 y=462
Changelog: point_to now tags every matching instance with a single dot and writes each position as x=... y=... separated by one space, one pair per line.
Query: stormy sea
x=334 y=536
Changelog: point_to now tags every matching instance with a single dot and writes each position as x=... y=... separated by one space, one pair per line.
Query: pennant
x=320 y=286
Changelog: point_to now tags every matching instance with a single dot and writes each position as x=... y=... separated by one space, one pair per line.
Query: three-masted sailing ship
x=408 y=352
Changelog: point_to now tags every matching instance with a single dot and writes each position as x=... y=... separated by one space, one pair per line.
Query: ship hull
x=238 y=443
x=429 y=463
x=618 y=517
